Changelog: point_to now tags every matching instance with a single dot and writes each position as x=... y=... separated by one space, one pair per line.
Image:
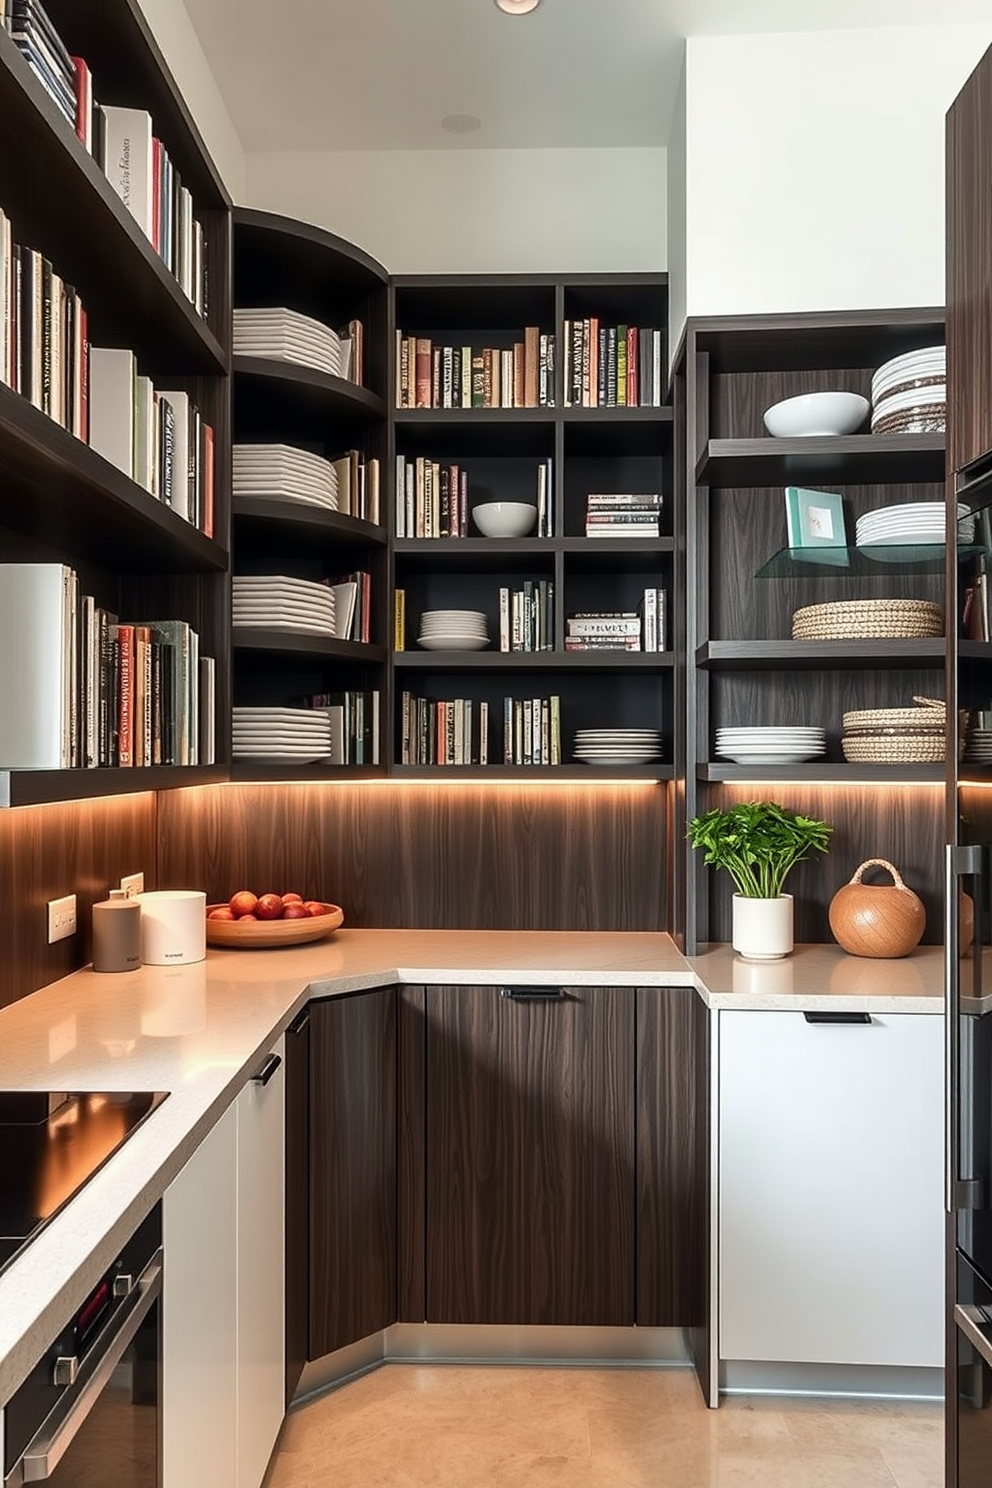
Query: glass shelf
x=856 y=563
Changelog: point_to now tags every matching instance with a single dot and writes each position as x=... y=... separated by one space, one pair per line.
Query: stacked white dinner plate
x=293 y=735
x=275 y=602
x=291 y=474
x=287 y=336
x=770 y=745
x=912 y=523
x=979 y=748
x=453 y=630
x=909 y=393
x=617 y=746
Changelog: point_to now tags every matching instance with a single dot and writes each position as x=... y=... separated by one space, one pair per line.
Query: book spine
x=125 y=696
x=422 y=373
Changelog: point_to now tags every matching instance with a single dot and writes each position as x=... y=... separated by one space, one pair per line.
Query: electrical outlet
x=133 y=883
x=61 y=918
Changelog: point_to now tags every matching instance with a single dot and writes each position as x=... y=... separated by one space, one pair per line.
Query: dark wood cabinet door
x=530 y=1157
x=352 y=1168
x=969 y=269
x=672 y=1158
x=297 y=1199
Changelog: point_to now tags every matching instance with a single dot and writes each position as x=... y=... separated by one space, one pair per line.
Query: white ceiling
x=381 y=74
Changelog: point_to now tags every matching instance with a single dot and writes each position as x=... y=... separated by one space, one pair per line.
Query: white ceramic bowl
x=816 y=413
x=504 y=518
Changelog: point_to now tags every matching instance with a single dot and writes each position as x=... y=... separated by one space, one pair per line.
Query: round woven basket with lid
x=866 y=619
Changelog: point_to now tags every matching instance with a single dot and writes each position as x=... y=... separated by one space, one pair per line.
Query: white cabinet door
x=261 y=1267
x=831 y=1189
x=200 y=1315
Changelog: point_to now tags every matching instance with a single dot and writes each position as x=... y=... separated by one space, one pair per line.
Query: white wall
x=815 y=167
x=478 y=211
x=676 y=213
x=173 y=30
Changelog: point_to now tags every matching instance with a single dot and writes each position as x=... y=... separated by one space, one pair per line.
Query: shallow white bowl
x=504 y=518
x=816 y=413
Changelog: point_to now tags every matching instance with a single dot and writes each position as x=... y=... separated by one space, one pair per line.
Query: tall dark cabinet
x=968 y=1433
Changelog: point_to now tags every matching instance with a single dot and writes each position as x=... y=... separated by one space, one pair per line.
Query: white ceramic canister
x=173 y=926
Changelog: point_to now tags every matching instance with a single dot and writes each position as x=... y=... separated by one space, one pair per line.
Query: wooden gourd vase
x=883 y=920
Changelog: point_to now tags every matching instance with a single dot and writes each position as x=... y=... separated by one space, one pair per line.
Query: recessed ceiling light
x=517 y=7
x=461 y=123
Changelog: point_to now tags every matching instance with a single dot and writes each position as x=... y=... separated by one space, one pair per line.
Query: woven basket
x=868 y=618
x=900 y=749
x=930 y=715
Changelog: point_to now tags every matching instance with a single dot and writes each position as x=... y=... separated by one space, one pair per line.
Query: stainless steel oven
x=90 y=1413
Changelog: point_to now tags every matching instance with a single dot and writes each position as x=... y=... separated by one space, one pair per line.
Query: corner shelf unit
x=279 y=262
x=61 y=501
x=744 y=584
x=591 y=449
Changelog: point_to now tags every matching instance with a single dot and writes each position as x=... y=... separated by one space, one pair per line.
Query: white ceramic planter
x=762 y=928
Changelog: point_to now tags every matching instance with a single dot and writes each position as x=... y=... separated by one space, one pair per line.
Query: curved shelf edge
x=338 y=393
x=282 y=514
x=309 y=236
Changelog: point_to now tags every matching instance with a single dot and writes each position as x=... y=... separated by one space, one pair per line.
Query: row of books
x=434 y=500
x=612 y=366
x=455 y=731
x=122 y=142
x=352 y=606
x=518 y=376
x=643 y=629
x=44 y=352
x=83 y=689
x=358 y=486
x=354 y=718
x=156 y=436
x=623 y=515
x=526 y=616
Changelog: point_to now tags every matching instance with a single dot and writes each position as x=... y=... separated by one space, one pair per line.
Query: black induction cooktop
x=51 y=1143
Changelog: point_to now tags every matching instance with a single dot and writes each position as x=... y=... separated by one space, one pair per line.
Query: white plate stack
x=290 y=735
x=275 y=602
x=617 y=746
x=770 y=745
x=911 y=524
x=287 y=336
x=280 y=470
x=909 y=393
x=453 y=630
x=979 y=748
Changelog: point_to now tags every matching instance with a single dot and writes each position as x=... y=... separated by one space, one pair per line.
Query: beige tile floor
x=411 y=1426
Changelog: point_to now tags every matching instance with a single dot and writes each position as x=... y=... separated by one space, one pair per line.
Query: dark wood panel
x=809 y=340
x=411 y=1157
x=814 y=461
x=739 y=401
x=969 y=269
x=819 y=698
x=297 y=1200
x=799 y=655
x=80 y=847
x=530 y=1157
x=352 y=1168
x=672 y=1159
x=465 y=855
x=903 y=823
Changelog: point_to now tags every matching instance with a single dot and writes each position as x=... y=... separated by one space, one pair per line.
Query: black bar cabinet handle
x=300 y=1022
x=831 y=1017
x=533 y=994
x=268 y=1070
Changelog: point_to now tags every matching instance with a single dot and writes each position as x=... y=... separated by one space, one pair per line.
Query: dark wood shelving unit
x=244 y=770
x=744 y=586
x=305 y=643
x=581 y=661
x=854 y=459
x=62 y=502
x=569 y=770
x=274 y=517
x=297 y=400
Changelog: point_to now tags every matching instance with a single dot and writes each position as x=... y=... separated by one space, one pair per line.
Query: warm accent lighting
x=517 y=7
x=447 y=782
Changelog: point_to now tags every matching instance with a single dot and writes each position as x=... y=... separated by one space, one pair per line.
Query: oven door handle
x=968 y=1319
x=43 y=1455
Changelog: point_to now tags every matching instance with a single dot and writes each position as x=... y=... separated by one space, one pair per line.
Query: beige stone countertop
x=822 y=978
x=198 y=1032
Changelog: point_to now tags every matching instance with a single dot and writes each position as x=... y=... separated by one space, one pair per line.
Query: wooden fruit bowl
x=256 y=935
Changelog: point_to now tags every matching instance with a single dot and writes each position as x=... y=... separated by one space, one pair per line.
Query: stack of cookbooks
x=622 y=515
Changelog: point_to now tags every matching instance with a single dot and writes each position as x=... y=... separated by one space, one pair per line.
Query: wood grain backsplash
x=80 y=847
x=407 y=854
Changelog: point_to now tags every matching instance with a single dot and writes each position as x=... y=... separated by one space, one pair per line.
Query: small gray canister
x=117 y=933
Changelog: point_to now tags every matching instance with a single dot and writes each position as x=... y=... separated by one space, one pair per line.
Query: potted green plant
x=759 y=843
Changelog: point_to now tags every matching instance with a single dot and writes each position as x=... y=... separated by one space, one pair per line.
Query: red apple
x=243 y=902
x=314 y=907
x=292 y=898
x=295 y=912
x=247 y=917
x=269 y=907
x=223 y=913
